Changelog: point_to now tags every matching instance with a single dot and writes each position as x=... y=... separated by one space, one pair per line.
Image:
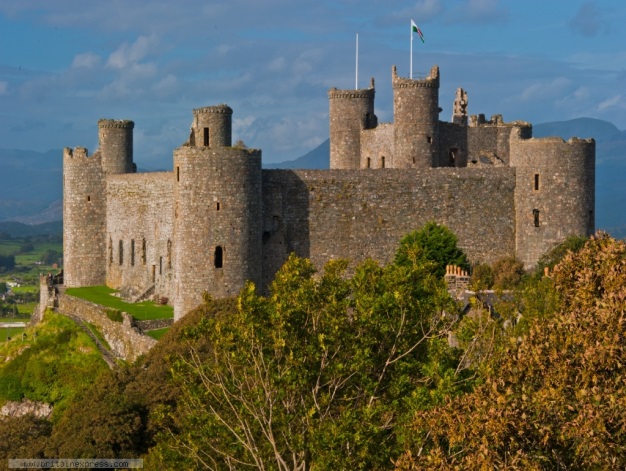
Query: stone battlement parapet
x=219 y=109
x=116 y=123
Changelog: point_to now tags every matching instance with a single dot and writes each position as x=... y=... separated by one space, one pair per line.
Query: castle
x=217 y=219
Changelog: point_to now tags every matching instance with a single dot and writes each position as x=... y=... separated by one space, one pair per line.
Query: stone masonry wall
x=124 y=340
x=140 y=216
x=364 y=214
x=375 y=144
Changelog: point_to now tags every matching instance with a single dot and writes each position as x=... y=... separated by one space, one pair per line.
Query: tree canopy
x=434 y=242
x=557 y=399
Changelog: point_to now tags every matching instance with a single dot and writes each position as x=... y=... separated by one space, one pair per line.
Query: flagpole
x=356 y=80
x=411 y=54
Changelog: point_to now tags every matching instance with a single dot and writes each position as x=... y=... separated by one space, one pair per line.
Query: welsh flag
x=415 y=29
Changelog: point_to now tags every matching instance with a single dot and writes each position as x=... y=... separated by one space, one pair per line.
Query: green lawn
x=13 y=332
x=157 y=333
x=104 y=296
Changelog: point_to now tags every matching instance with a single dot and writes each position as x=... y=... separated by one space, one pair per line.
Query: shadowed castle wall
x=140 y=217
x=363 y=214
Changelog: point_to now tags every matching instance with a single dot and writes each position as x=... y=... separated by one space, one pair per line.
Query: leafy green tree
x=318 y=375
x=558 y=252
x=482 y=277
x=50 y=256
x=434 y=242
x=556 y=399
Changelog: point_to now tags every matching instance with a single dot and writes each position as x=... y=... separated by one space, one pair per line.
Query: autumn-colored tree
x=507 y=273
x=318 y=375
x=557 y=397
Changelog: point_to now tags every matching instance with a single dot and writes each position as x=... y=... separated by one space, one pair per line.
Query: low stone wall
x=154 y=324
x=124 y=338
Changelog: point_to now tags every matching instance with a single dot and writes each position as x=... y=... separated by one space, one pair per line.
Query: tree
x=434 y=242
x=554 y=400
x=482 y=277
x=50 y=256
x=558 y=252
x=318 y=375
x=507 y=273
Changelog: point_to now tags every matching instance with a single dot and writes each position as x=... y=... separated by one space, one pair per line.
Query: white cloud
x=128 y=54
x=4 y=87
x=87 y=60
x=610 y=103
x=545 y=90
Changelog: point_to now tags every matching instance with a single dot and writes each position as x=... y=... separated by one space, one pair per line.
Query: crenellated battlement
x=116 y=123
x=217 y=109
x=432 y=81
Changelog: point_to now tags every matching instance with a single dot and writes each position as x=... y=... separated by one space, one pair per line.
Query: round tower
x=554 y=192
x=217 y=221
x=212 y=126
x=416 y=120
x=350 y=112
x=116 y=145
x=84 y=219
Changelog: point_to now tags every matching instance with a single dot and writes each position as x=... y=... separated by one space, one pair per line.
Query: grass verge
x=104 y=296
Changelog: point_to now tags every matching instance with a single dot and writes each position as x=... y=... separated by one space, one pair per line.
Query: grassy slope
x=54 y=362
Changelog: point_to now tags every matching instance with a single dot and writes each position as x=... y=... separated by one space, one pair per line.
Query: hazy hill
x=30 y=182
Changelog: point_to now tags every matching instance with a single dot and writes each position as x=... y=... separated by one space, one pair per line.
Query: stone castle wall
x=363 y=214
x=377 y=147
x=124 y=340
x=140 y=221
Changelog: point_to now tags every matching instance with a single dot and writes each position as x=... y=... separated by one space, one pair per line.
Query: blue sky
x=64 y=64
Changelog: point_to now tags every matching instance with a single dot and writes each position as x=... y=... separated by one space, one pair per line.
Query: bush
x=115 y=315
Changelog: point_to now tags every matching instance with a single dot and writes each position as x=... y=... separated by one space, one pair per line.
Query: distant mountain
x=18 y=229
x=579 y=127
x=29 y=182
x=318 y=158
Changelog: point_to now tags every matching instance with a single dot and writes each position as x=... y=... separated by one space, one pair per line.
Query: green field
x=105 y=297
x=13 y=332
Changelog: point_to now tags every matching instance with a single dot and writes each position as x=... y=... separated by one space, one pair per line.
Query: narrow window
x=169 y=254
x=110 y=251
x=536 y=182
x=121 y=248
x=217 y=206
x=413 y=159
x=88 y=198
x=132 y=252
x=143 y=251
x=153 y=273
x=369 y=163
x=429 y=139
x=218 y=258
x=160 y=265
x=536 y=217
x=206 y=137
x=382 y=162
x=177 y=174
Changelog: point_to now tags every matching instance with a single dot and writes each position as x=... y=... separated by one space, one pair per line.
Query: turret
x=84 y=218
x=116 y=146
x=350 y=112
x=212 y=127
x=217 y=214
x=416 y=120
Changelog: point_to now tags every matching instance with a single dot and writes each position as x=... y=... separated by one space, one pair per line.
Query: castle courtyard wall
x=324 y=214
x=140 y=208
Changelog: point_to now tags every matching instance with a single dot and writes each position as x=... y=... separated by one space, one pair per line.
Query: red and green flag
x=415 y=29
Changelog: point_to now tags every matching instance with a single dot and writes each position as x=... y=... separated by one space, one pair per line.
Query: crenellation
x=218 y=220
